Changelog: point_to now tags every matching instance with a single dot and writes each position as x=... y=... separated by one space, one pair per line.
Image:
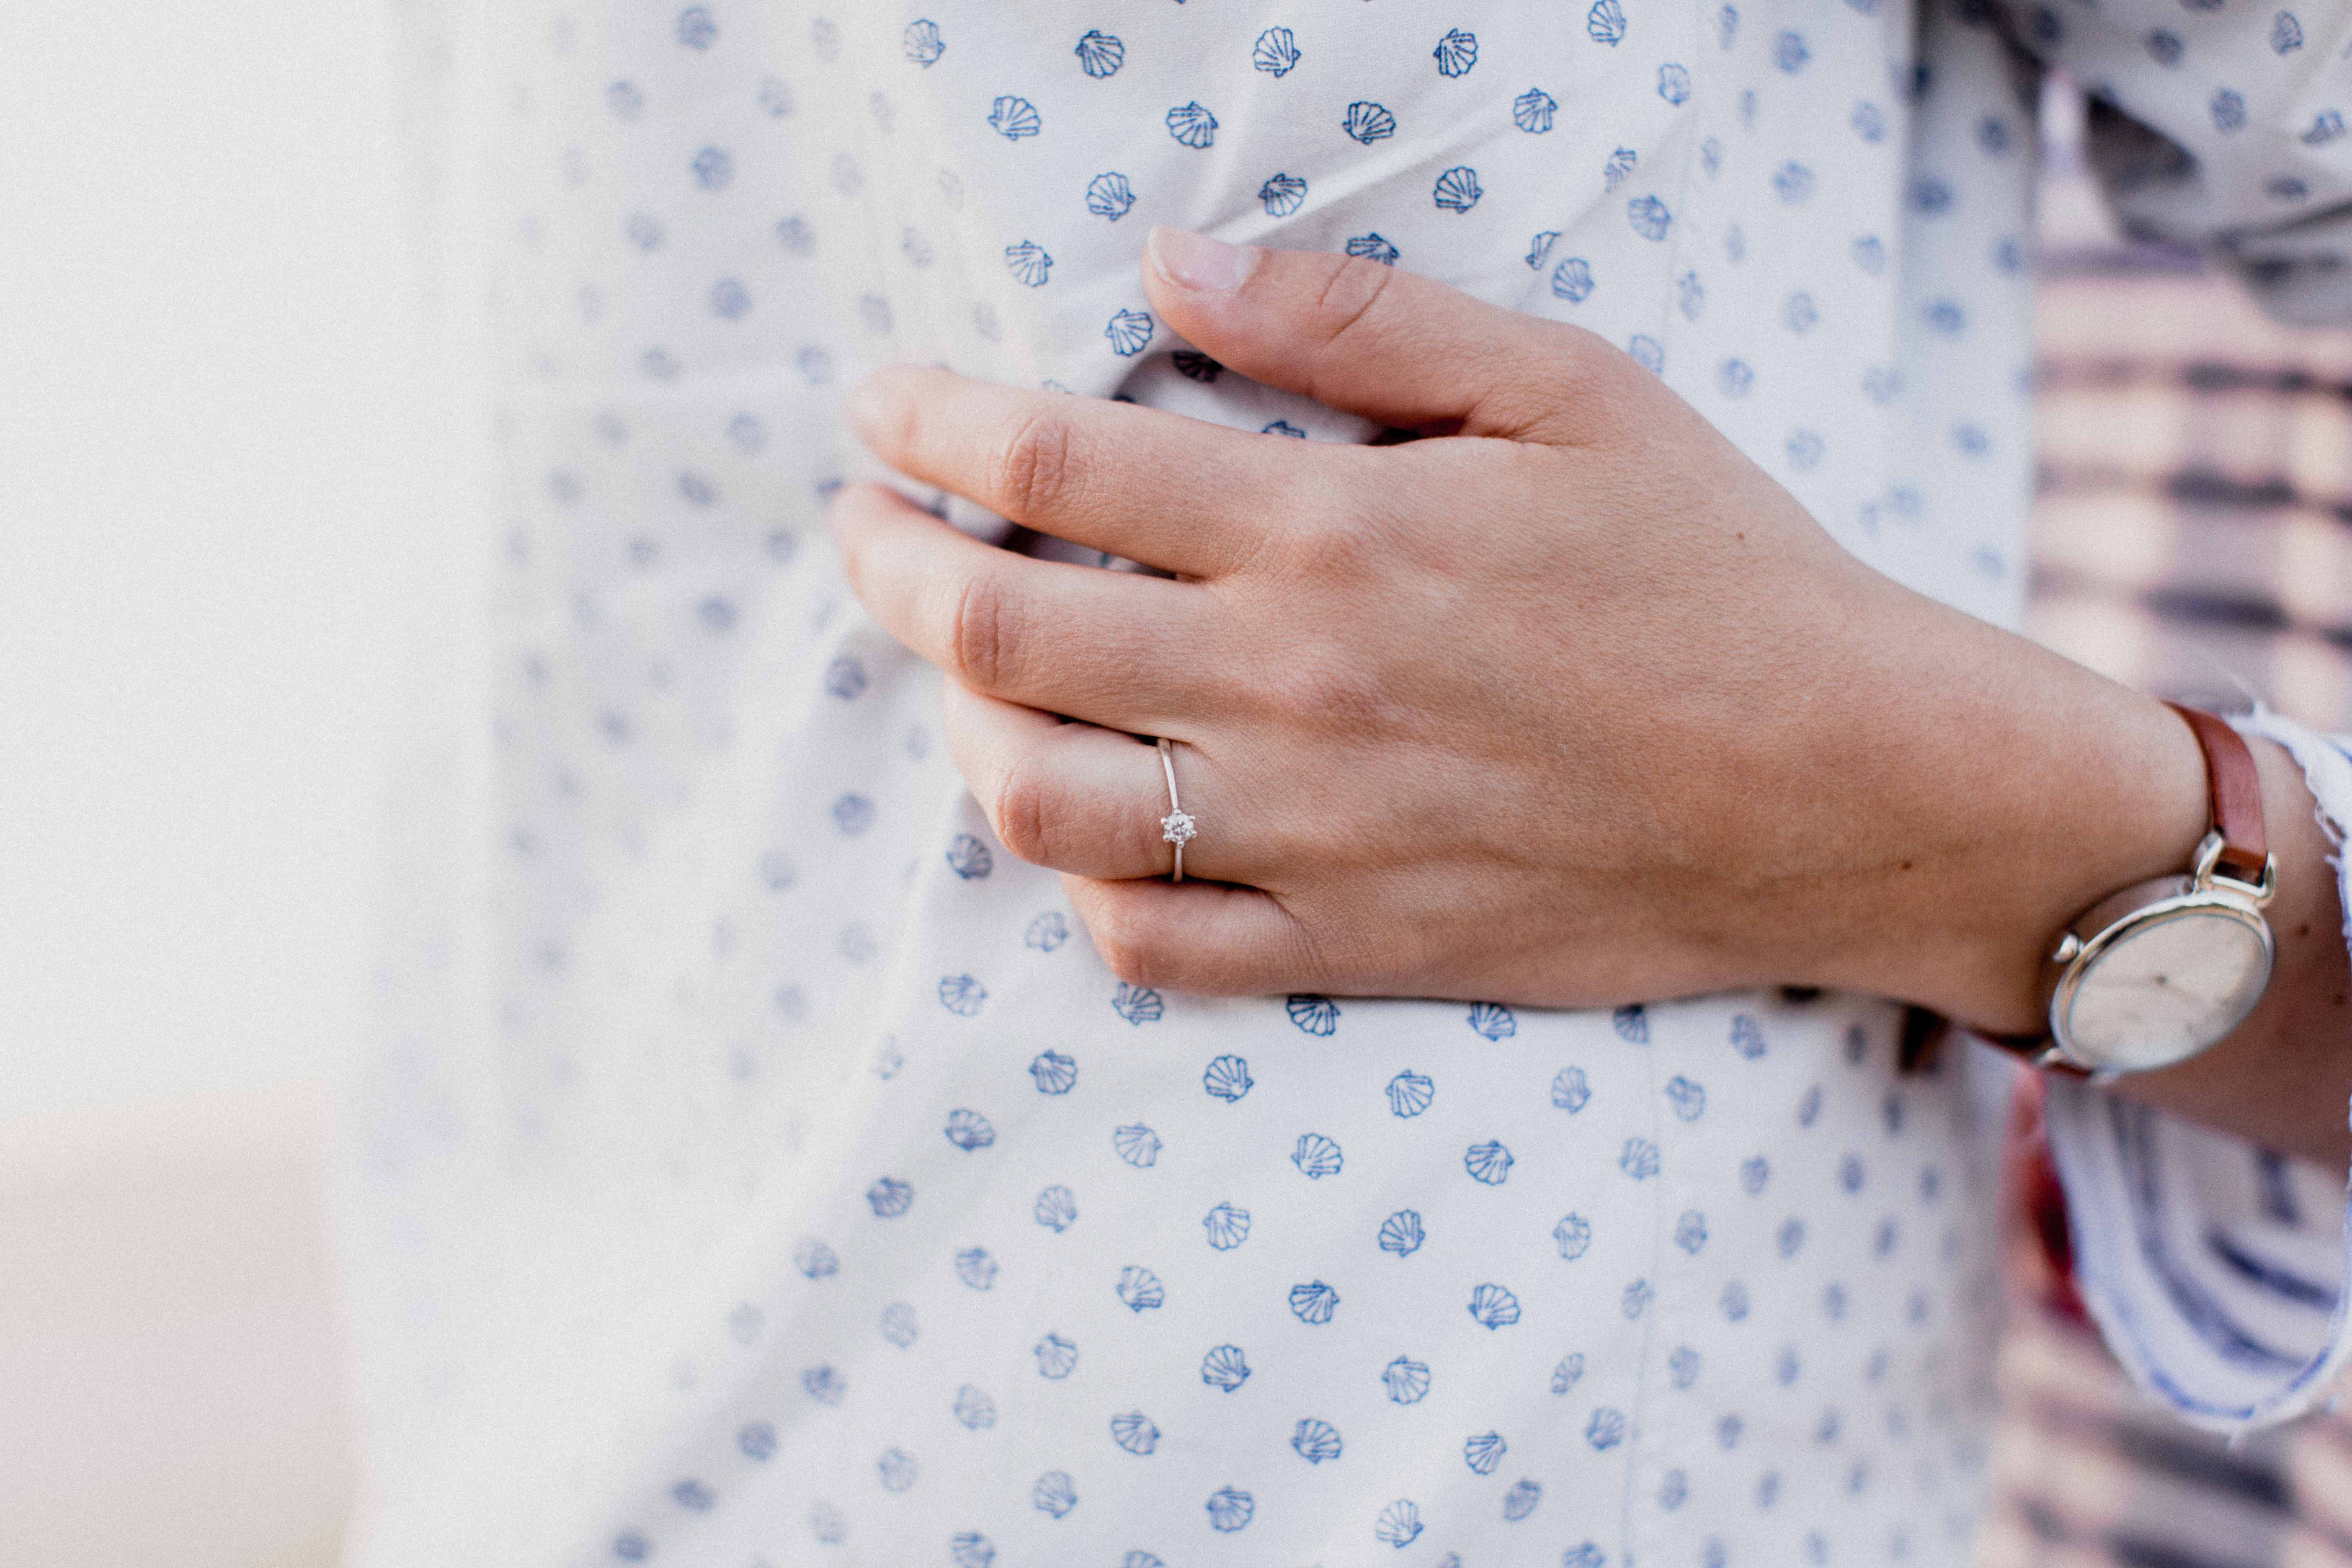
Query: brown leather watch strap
x=2235 y=790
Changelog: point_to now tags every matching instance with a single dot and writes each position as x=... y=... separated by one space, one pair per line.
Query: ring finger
x=1082 y=799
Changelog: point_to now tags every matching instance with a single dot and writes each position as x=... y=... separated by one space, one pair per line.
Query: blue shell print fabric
x=758 y=1165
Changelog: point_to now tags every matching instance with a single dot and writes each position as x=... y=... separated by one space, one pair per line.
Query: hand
x=1567 y=704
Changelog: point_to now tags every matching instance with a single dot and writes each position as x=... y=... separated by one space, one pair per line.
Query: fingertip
x=1196 y=263
x=881 y=404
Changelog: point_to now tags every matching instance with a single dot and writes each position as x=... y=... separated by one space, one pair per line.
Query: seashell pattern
x=1141 y=1289
x=969 y=1129
x=1029 y=265
x=1399 y=1524
x=1489 y=1162
x=1193 y=125
x=1521 y=1499
x=1108 y=196
x=1568 y=1373
x=1230 y=1509
x=1099 y=52
x=1747 y=1036
x=1573 y=1234
x=1569 y=1091
x=970 y=1549
x=1317 y=1016
x=1492 y=1020
x=1225 y=1367
x=1631 y=1024
x=1137 y=1144
x=1457 y=53
x=1533 y=110
x=1401 y=1233
x=975 y=1267
x=1056 y=1357
x=1275 y=51
x=1227 y=1227
x=1053 y=1073
x=1484 y=1452
x=1314 y=1441
x=1313 y=1302
x=1128 y=330
x=1457 y=189
x=1618 y=168
x=1137 y=1004
x=1410 y=1094
x=1367 y=122
x=1013 y=118
x=968 y=857
x=921 y=44
x=1372 y=248
x=889 y=1197
x=962 y=995
x=898 y=1325
x=816 y=1259
x=1283 y=427
x=974 y=1409
x=1687 y=1099
x=1572 y=280
x=1056 y=1208
x=1195 y=365
x=1228 y=1079
x=1649 y=217
x=1406 y=1380
x=1282 y=194
x=1493 y=1307
x=1315 y=1156
x=1605 y=23
x=1055 y=1493
x=1134 y=1432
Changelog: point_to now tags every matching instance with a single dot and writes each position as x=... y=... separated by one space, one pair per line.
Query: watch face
x=2168 y=983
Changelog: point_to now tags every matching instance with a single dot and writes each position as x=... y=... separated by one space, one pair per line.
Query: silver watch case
x=2143 y=1024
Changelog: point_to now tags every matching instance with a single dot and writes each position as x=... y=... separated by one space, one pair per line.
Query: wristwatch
x=2155 y=974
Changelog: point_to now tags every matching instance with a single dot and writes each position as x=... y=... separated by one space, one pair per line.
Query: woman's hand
x=1569 y=703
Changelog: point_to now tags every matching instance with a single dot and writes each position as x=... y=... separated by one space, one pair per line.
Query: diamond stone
x=1176 y=827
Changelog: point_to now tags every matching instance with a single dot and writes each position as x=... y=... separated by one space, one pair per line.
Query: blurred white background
x=215 y=489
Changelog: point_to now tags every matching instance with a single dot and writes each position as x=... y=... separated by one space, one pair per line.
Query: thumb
x=1353 y=334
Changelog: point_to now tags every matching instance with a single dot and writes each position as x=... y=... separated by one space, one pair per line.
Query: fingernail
x=1195 y=261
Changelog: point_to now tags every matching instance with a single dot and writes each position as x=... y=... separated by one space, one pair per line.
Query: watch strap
x=2234 y=793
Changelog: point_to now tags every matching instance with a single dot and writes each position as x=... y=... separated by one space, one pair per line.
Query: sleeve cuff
x=2216 y=1270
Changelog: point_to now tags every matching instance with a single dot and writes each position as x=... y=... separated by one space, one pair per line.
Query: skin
x=1566 y=704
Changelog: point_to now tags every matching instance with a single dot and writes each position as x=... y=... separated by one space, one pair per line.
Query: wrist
x=2033 y=792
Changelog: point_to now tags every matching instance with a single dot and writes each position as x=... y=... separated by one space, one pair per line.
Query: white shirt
x=760 y=1167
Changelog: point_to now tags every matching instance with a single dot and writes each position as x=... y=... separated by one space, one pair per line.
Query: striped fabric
x=2194 y=529
x=2193 y=537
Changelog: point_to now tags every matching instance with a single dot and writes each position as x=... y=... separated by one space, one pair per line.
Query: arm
x=1569 y=705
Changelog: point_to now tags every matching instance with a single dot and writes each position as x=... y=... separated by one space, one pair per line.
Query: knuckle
x=1021 y=814
x=1036 y=468
x=1350 y=296
x=981 y=632
x=1127 y=949
x=1330 y=688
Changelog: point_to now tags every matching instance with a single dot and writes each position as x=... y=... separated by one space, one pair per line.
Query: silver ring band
x=1177 y=828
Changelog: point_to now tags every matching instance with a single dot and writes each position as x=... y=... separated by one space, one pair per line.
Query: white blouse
x=759 y=1167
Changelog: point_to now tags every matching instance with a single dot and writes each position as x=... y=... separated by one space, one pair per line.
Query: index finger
x=1180 y=494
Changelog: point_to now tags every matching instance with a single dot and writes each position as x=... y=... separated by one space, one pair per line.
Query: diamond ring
x=1177 y=826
